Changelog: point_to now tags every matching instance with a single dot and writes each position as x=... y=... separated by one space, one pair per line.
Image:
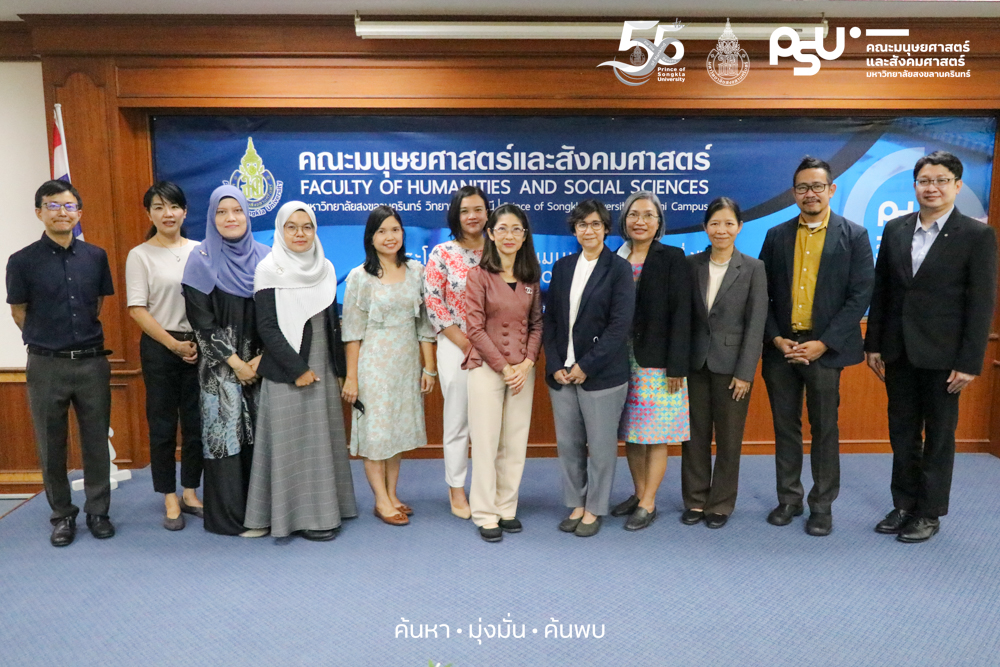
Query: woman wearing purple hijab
x=218 y=291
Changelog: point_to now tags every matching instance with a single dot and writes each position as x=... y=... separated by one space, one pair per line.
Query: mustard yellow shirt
x=808 y=250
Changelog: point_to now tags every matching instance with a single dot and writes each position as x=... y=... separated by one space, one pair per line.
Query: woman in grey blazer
x=728 y=317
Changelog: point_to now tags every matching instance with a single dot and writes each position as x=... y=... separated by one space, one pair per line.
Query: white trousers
x=455 y=389
x=498 y=424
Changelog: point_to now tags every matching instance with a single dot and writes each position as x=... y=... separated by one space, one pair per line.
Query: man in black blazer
x=819 y=278
x=935 y=286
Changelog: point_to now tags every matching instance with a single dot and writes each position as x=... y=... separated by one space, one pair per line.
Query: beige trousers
x=498 y=428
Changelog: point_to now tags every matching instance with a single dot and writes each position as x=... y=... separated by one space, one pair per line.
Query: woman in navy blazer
x=729 y=314
x=586 y=323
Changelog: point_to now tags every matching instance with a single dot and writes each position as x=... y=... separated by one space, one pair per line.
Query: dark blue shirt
x=61 y=287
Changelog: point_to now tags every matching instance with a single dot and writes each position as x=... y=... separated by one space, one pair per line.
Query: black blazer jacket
x=939 y=318
x=661 y=328
x=843 y=288
x=728 y=337
x=281 y=363
x=602 y=321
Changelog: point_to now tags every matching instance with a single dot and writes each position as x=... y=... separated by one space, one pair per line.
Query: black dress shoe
x=100 y=526
x=641 y=518
x=569 y=525
x=626 y=507
x=63 y=532
x=588 y=529
x=318 y=535
x=510 y=525
x=819 y=525
x=893 y=522
x=783 y=514
x=919 y=529
x=691 y=517
x=716 y=520
x=491 y=534
x=191 y=509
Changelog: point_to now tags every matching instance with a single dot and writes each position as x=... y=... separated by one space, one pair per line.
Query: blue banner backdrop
x=345 y=166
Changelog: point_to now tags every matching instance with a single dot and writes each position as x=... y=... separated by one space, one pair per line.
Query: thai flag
x=60 y=161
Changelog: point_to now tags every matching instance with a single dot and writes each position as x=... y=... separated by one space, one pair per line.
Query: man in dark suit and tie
x=819 y=279
x=935 y=286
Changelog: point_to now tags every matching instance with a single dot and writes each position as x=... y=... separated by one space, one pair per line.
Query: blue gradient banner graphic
x=344 y=166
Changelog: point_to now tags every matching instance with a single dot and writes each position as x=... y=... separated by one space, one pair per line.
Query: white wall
x=24 y=165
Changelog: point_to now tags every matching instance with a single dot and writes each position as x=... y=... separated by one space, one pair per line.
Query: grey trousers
x=53 y=385
x=587 y=420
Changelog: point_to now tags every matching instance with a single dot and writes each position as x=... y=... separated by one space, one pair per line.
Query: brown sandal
x=405 y=509
x=397 y=519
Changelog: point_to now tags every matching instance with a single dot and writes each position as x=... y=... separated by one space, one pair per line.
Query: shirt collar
x=55 y=246
x=940 y=220
x=823 y=225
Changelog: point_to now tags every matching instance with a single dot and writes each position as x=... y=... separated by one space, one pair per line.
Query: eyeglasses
x=596 y=225
x=55 y=206
x=939 y=182
x=803 y=188
x=516 y=232
x=646 y=217
x=292 y=228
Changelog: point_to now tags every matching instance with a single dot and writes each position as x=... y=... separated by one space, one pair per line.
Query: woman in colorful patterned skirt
x=656 y=410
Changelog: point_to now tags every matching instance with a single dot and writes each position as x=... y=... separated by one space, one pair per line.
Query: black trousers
x=53 y=385
x=713 y=408
x=922 y=421
x=785 y=383
x=172 y=391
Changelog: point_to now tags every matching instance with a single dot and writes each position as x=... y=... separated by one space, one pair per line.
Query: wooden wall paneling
x=15 y=41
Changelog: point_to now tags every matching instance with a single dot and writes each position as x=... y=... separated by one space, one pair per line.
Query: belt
x=89 y=353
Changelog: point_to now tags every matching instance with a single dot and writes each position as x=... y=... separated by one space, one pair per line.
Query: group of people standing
x=243 y=345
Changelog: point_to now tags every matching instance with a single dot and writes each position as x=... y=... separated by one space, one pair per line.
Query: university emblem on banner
x=260 y=188
x=727 y=63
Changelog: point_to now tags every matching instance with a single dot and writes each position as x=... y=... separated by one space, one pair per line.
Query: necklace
x=167 y=248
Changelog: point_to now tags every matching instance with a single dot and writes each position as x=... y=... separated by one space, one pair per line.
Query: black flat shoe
x=491 y=534
x=819 y=525
x=174 y=524
x=569 y=525
x=100 y=526
x=893 y=522
x=783 y=514
x=588 y=529
x=318 y=535
x=919 y=529
x=641 y=518
x=191 y=509
x=626 y=507
x=691 y=517
x=716 y=520
x=64 y=532
x=510 y=525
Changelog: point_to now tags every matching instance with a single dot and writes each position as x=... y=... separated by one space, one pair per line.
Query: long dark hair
x=375 y=219
x=455 y=209
x=170 y=193
x=526 y=268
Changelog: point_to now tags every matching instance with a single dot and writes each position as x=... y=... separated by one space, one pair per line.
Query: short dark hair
x=375 y=219
x=633 y=198
x=54 y=187
x=455 y=209
x=810 y=162
x=584 y=210
x=168 y=192
x=942 y=158
x=526 y=268
x=720 y=203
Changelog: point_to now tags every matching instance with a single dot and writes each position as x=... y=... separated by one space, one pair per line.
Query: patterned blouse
x=444 y=283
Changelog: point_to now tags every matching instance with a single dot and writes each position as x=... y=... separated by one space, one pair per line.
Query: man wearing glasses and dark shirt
x=55 y=288
x=819 y=282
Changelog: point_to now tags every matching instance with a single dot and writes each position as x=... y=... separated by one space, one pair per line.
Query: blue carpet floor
x=748 y=594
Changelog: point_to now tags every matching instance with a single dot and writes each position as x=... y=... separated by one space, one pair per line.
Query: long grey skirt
x=301 y=475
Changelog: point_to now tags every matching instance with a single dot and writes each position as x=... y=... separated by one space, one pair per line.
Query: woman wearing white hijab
x=301 y=481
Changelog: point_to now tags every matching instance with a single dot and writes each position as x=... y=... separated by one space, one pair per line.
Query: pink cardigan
x=503 y=325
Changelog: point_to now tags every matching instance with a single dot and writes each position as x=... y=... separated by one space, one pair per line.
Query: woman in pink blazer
x=504 y=322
